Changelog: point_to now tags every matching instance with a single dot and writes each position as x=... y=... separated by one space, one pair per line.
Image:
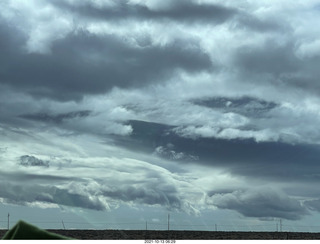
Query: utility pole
x=280 y=225
x=146 y=234
x=168 y=222
x=8 y=221
x=215 y=227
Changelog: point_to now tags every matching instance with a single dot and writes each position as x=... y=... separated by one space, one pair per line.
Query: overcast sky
x=202 y=109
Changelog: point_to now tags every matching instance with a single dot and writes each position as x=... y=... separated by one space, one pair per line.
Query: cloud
x=247 y=106
x=103 y=183
x=270 y=57
x=260 y=203
x=281 y=62
x=120 y=97
x=251 y=22
x=169 y=153
x=94 y=117
x=276 y=160
x=99 y=183
x=145 y=11
x=151 y=196
x=59 y=118
x=313 y=205
x=91 y=63
x=27 y=160
x=70 y=71
x=28 y=194
x=308 y=49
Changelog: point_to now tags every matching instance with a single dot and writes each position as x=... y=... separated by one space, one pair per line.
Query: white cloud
x=88 y=181
x=34 y=18
x=169 y=153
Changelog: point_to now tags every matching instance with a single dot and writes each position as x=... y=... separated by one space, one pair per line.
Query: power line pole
x=8 y=221
x=168 y=222
x=280 y=225
x=215 y=227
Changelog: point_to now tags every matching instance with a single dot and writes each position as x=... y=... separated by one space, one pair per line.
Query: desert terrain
x=180 y=235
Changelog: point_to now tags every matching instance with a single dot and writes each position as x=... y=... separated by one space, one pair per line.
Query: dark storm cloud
x=10 y=39
x=58 y=118
x=306 y=76
x=27 y=160
x=247 y=106
x=261 y=203
x=281 y=64
x=177 y=11
x=83 y=63
x=33 y=178
x=269 y=58
x=248 y=21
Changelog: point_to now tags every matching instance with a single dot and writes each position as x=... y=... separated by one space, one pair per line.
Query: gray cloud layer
x=69 y=72
x=261 y=203
x=174 y=11
x=59 y=118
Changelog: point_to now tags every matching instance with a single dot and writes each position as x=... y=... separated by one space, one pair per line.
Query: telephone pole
x=168 y=222
x=8 y=221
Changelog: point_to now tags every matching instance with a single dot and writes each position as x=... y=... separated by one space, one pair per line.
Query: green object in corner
x=25 y=231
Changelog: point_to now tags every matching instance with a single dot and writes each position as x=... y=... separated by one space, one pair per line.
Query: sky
x=122 y=112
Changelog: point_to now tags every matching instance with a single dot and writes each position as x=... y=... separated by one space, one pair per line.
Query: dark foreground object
x=181 y=235
x=25 y=231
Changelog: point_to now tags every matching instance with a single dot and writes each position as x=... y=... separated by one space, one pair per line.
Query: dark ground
x=181 y=235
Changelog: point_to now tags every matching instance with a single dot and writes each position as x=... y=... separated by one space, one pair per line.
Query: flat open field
x=181 y=235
